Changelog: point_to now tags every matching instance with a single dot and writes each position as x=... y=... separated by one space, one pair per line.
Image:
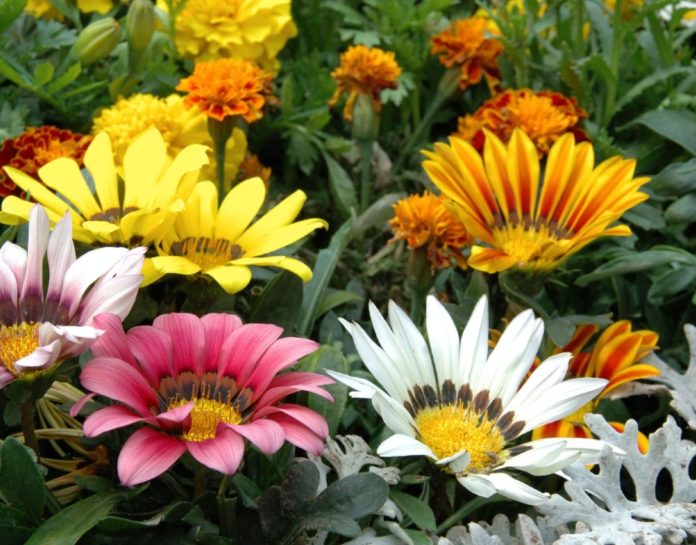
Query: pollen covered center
x=529 y=243
x=207 y=252
x=205 y=417
x=16 y=342
x=450 y=429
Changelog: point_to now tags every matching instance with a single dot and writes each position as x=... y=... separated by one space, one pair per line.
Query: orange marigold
x=34 y=148
x=424 y=221
x=469 y=44
x=228 y=87
x=544 y=116
x=367 y=71
x=251 y=167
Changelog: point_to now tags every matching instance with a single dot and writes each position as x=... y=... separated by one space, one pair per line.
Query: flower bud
x=140 y=25
x=97 y=40
x=365 y=118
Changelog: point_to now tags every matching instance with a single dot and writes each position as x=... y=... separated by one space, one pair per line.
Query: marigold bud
x=97 y=40
x=365 y=118
x=140 y=24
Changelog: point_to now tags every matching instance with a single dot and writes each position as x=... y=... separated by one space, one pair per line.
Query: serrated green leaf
x=679 y=126
x=420 y=512
x=21 y=483
x=65 y=79
x=15 y=73
x=9 y=11
x=43 y=72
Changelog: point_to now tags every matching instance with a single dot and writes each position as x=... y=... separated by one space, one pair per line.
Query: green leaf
x=560 y=330
x=9 y=11
x=676 y=179
x=328 y=357
x=14 y=72
x=379 y=212
x=70 y=524
x=172 y=512
x=679 y=126
x=646 y=217
x=671 y=283
x=335 y=522
x=653 y=79
x=335 y=298
x=682 y=210
x=323 y=270
x=356 y=496
x=298 y=488
x=418 y=538
x=341 y=186
x=247 y=489
x=15 y=528
x=43 y=72
x=65 y=79
x=21 y=483
x=419 y=511
x=279 y=302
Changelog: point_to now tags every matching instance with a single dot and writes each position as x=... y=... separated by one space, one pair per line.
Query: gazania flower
x=544 y=116
x=178 y=125
x=424 y=221
x=202 y=385
x=227 y=87
x=470 y=45
x=498 y=199
x=45 y=9
x=364 y=71
x=39 y=330
x=688 y=9
x=451 y=401
x=617 y=356
x=154 y=189
x=36 y=147
x=246 y=29
x=223 y=243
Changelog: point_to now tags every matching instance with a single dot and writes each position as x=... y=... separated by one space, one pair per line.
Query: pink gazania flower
x=38 y=331
x=201 y=385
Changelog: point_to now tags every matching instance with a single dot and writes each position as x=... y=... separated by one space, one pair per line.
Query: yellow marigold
x=544 y=116
x=251 y=167
x=179 y=126
x=249 y=29
x=228 y=87
x=44 y=8
x=470 y=45
x=529 y=222
x=367 y=71
x=424 y=221
x=617 y=356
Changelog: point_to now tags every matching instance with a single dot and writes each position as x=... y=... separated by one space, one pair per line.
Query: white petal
x=476 y=484
x=395 y=416
x=41 y=358
x=543 y=459
x=363 y=389
x=8 y=290
x=457 y=462
x=443 y=339
x=32 y=288
x=552 y=371
x=511 y=488
x=473 y=349
x=61 y=254
x=588 y=449
x=15 y=257
x=404 y=445
x=115 y=296
x=517 y=372
x=413 y=343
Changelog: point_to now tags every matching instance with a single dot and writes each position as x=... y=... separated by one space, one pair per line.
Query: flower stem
x=420 y=278
x=26 y=411
x=366 y=174
x=220 y=132
x=198 y=482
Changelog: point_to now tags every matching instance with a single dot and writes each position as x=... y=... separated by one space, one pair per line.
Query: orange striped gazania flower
x=470 y=45
x=617 y=356
x=527 y=224
x=544 y=116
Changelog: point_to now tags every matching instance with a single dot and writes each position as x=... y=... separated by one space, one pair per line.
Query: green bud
x=449 y=84
x=365 y=119
x=140 y=25
x=97 y=40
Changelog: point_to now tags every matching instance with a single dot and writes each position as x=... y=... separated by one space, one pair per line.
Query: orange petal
x=489 y=260
x=634 y=372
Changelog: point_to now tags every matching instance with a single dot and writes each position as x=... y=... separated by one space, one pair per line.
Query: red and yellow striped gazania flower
x=617 y=356
x=526 y=223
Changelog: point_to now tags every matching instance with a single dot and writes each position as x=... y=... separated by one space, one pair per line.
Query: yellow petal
x=39 y=192
x=291 y=264
x=103 y=231
x=523 y=171
x=490 y=261
x=198 y=218
x=150 y=273
x=278 y=238
x=175 y=180
x=100 y=163
x=231 y=278
x=64 y=176
x=281 y=214
x=175 y=265
x=142 y=165
x=239 y=208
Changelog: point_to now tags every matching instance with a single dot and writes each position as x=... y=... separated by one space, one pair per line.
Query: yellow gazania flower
x=528 y=224
x=44 y=8
x=255 y=30
x=617 y=356
x=180 y=126
x=222 y=243
x=155 y=187
x=424 y=221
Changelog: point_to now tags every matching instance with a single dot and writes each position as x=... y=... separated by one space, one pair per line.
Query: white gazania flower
x=688 y=12
x=462 y=407
x=38 y=330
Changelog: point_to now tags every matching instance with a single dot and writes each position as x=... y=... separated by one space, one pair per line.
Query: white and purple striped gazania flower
x=38 y=330
x=201 y=385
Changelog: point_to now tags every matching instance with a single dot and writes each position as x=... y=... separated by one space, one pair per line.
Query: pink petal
x=298 y=434
x=15 y=257
x=283 y=353
x=267 y=435
x=32 y=289
x=223 y=453
x=118 y=380
x=289 y=383
x=113 y=342
x=152 y=348
x=243 y=348
x=307 y=417
x=109 y=418
x=176 y=415
x=61 y=255
x=146 y=455
x=5 y=377
x=79 y=404
x=217 y=328
x=188 y=337
x=41 y=358
x=8 y=294
x=115 y=295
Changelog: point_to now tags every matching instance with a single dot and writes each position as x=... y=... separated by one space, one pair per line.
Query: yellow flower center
x=450 y=429
x=205 y=417
x=16 y=342
x=578 y=417
x=530 y=244
x=207 y=252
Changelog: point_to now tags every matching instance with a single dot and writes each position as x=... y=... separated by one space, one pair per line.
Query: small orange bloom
x=228 y=87
x=424 y=221
x=617 y=357
x=544 y=116
x=34 y=148
x=367 y=71
x=469 y=44
x=251 y=167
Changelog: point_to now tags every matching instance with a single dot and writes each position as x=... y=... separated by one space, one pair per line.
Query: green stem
x=616 y=49
x=366 y=173
x=220 y=132
x=198 y=482
x=26 y=411
x=463 y=511
x=421 y=279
